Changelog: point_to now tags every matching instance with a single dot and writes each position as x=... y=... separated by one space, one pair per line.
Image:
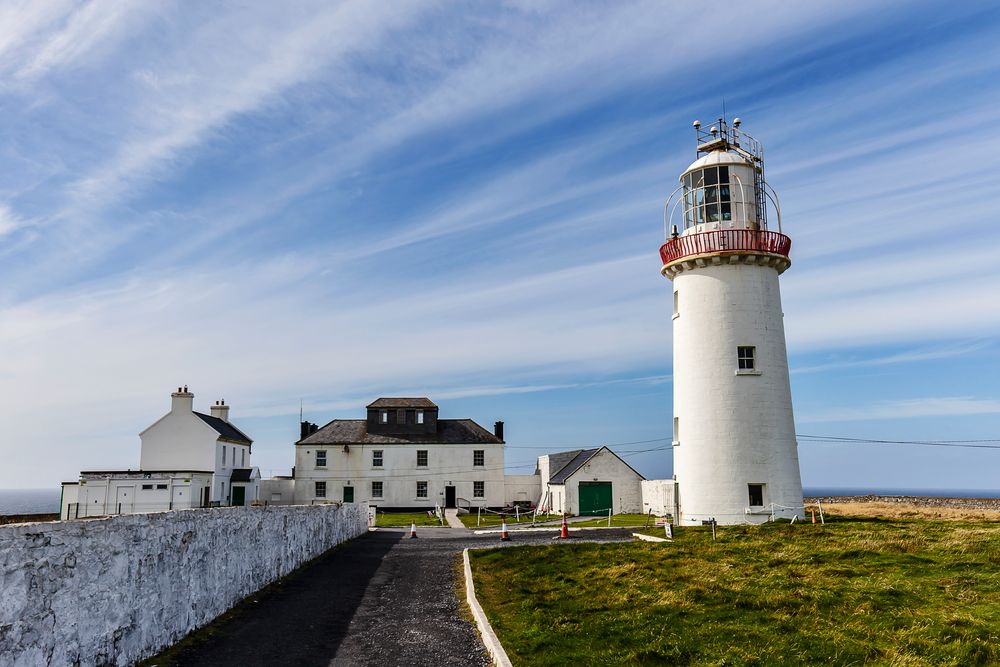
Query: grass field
x=405 y=519
x=490 y=520
x=899 y=591
x=619 y=520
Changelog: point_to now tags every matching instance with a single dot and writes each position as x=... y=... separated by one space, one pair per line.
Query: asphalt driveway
x=381 y=599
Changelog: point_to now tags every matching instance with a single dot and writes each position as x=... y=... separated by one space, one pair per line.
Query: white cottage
x=589 y=481
x=187 y=459
x=402 y=456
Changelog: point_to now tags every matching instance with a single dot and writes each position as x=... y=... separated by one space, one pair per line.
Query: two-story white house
x=187 y=459
x=402 y=456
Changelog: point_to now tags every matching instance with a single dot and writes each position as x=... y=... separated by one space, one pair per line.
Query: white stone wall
x=521 y=488
x=658 y=496
x=116 y=590
x=734 y=428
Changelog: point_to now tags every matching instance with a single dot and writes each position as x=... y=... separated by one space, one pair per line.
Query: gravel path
x=382 y=599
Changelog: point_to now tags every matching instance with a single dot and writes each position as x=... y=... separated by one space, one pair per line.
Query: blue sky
x=333 y=202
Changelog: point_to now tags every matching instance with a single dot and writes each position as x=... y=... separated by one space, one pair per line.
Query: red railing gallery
x=725 y=240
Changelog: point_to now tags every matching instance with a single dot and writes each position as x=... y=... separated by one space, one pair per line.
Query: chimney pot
x=498 y=430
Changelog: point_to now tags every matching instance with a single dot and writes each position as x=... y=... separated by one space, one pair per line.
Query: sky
x=317 y=204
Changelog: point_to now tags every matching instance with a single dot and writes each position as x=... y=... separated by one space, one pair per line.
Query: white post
x=479 y=516
x=821 y=519
x=517 y=513
x=609 y=517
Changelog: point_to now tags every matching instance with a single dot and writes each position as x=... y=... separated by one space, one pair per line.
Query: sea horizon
x=46 y=501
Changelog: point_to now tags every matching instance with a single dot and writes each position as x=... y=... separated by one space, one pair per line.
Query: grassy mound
x=856 y=591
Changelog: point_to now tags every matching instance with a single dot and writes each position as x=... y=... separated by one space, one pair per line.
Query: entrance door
x=449 y=496
x=348 y=494
x=239 y=496
x=124 y=500
x=178 y=499
x=595 y=498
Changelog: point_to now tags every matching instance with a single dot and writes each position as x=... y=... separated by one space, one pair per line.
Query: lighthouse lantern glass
x=707 y=196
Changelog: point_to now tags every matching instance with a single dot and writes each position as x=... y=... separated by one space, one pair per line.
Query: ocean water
x=29 y=501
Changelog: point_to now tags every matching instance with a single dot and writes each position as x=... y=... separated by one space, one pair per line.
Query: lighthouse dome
x=716 y=158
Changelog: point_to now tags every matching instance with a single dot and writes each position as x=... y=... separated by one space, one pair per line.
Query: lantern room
x=722 y=204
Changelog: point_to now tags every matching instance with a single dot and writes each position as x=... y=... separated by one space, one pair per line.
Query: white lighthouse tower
x=735 y=454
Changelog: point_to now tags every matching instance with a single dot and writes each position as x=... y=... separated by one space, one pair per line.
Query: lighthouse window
x=745 y=357
x=707 y=196
x=756 y=494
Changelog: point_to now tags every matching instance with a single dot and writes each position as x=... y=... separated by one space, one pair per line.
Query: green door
x=595 y=497
x=348 y=494
x=239 y=496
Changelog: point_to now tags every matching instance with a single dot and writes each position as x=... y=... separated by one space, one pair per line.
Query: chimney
x=181 y=400
x=221 y=410
x=498 y=430
x=306 y=429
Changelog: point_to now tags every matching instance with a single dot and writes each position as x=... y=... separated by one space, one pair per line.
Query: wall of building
x=447 y=465
x=121 y=493
x=278 y=490
x=734 y=427
x=179 y=441
x=522 y=488
x=626 y=490
x=116 y=590
x=658 y=496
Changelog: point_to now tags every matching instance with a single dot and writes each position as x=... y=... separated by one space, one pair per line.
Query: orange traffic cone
x=504 y=535
x=413 y=529
x=564 y=533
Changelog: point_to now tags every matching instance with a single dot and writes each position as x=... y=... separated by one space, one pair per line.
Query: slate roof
x=241 y=475
x=571 y=462
x=226 y=430
x=355 y=431
x=402 y=403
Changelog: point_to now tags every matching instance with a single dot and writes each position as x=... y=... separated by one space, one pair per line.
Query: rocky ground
x=918 y=501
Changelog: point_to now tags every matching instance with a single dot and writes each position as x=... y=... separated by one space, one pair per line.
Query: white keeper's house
x=187 y=459
x=402 y=456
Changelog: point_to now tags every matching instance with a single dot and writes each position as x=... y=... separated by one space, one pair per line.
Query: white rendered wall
x=100 y=496
x=521 y=488
x=658 y=496
x=179 y=441
x=114 y=591
x=734 y=430
x=447 y=465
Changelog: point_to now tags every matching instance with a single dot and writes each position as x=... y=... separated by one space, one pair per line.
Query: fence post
x=479 y=516
x=821 y=519
x=609 y=516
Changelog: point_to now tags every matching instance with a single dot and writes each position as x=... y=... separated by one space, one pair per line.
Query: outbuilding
x=589 y=481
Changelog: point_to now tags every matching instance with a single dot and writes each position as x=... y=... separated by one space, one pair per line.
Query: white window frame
x=478 y=457
x=420 y=416
x=479 y=489
x=378 y=458
x=383 y=416
x=426 y=458
x=321 y=456
x=319 y=489
x=425 y=490
x=377 y=488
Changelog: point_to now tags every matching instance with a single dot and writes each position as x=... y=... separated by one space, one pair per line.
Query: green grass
x=386 y=520
x=856 y=591
x=619 y=520
x=490 y=520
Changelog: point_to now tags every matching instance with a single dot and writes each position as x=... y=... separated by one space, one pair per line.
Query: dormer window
x=420 y=416
x=383 y=416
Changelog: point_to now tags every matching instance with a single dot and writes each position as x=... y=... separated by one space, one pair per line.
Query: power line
x=968 y=444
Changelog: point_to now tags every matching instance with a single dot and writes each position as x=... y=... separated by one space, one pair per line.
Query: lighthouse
x=735 y=454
